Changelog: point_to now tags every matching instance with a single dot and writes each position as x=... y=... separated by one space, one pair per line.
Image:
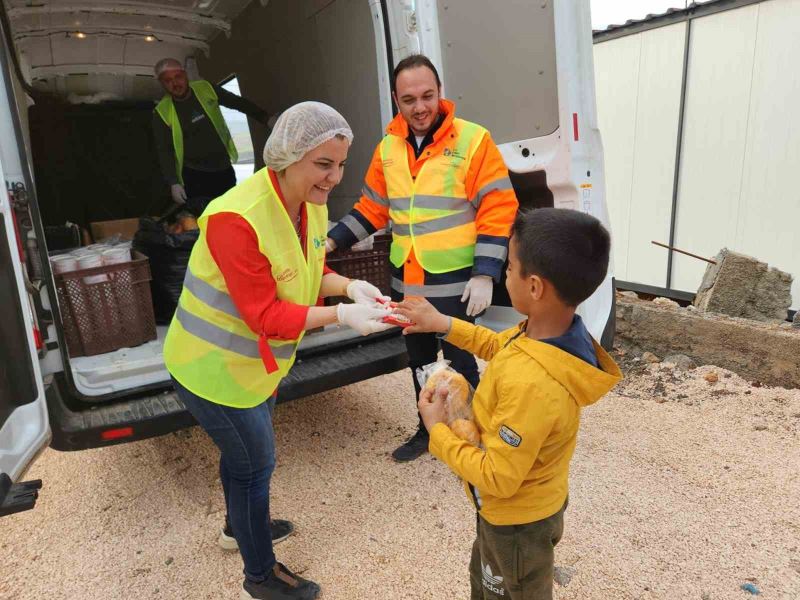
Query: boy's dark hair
x=567 y=247
x=411 y=62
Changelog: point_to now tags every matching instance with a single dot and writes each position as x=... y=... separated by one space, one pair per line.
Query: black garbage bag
x=169 y=257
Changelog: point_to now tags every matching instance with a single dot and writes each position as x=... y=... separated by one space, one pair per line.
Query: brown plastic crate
x=369 y=265
x=107 y=315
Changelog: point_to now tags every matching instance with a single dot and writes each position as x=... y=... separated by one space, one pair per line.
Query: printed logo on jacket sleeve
x=509 y=436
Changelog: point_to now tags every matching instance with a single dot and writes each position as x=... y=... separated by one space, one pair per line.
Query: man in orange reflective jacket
x=442 y=184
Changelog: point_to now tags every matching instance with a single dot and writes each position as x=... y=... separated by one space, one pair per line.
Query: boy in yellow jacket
x=528 y=404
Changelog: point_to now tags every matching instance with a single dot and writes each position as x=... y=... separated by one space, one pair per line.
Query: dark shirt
x=428 y=139
x=203 y=149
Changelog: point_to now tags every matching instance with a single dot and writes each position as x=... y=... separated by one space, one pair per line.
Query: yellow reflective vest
x=207 y=97
x=209 y=349
x=432 y=215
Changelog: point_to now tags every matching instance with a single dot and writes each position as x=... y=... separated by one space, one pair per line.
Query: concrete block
x=742 y=286
x=757 y=351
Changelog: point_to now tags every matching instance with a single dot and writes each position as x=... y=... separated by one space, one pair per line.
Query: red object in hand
x=394 y=319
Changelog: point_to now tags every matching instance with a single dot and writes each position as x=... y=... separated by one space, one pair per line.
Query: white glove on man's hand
x=178 y=193
x=363 y=292
x=330 y=245
x=479 y=293
x=364 y=319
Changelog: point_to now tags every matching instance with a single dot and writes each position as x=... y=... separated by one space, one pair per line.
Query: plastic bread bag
x=438 y=377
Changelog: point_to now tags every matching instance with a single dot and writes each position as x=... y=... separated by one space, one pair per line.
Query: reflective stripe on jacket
x=209 y=349
x=432 y=213
x=207 y=97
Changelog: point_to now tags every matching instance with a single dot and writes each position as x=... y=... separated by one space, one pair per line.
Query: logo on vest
x=319 y=242
x=286 y=275
x=492 y=582
x=453 y=153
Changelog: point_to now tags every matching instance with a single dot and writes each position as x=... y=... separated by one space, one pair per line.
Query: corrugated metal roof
x=671 y=15
x=655 y=16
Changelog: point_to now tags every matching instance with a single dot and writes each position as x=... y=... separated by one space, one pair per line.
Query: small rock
x=760 y=427
x=666 y=302
x=681 y=362
x=633 y=295
x=757 y=384
x=705 y=596
x=169 y=561
x=691 y=308
x=711 y=377
x=563 y=575
x=751 y=588
x=650 y=357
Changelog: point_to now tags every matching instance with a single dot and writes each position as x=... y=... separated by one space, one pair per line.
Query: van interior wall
x=95 y=162
x=296 y=50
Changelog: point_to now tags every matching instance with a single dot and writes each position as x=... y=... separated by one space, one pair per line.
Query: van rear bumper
x=158 y=413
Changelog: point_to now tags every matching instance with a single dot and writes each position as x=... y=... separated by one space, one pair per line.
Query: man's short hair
x=167 y=64
x=411 y=62
x=568 y=248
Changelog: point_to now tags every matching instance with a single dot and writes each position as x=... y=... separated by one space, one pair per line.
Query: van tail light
x=37 y=338
x=115 y=434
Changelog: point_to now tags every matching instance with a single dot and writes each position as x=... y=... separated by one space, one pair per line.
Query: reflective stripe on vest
x=209 y=348
x=207 y=97
x=432 y=215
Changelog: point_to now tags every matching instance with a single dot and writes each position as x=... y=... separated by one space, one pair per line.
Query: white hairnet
x=300 y=129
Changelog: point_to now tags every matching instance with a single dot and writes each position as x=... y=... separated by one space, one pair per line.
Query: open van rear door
x=24 y=424
x=524 y=70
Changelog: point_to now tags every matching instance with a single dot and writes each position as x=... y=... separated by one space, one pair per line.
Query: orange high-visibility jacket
x=488 y=190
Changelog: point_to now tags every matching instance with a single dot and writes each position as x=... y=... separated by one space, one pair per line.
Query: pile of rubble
x=737 y=322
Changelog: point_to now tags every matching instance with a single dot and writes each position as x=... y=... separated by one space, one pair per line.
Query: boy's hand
x=432 y=407
x=425 y=318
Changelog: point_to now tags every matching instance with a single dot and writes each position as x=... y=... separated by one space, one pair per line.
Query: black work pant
x=423 y=348
x=203 y=186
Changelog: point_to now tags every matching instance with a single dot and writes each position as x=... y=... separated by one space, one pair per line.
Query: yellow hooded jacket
x=528 y=408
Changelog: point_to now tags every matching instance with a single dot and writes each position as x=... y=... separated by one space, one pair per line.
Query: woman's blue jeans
x=246 y=442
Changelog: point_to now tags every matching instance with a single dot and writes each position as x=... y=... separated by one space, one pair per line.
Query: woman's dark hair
x=411 y=62
x=568 y=248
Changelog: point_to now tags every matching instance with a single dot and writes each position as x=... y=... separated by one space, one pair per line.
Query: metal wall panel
x=718 y=89
x=770 y=195
x=617 y=83
x=647 y=156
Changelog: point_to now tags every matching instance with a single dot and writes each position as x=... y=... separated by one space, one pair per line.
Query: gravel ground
x=680 y=488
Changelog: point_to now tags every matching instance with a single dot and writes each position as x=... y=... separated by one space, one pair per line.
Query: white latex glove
x=363 y=292
x=364 y=319
x=330 y=245
x=178 y=193
x=479 y=293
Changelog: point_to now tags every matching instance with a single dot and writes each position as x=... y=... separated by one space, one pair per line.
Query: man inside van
x=442 y=183
x=195 y=148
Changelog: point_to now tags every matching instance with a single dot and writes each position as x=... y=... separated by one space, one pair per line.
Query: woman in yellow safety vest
x=250 y=293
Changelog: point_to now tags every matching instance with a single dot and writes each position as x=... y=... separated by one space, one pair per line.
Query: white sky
x=616 y=12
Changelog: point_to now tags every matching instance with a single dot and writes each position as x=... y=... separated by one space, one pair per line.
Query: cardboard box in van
x=126 y=228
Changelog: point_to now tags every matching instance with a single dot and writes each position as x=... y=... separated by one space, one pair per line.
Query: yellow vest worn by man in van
x=208 y=100
x=209 y=349
x=432 y=214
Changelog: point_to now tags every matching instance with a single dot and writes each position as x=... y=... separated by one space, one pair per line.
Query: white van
x=522 y=69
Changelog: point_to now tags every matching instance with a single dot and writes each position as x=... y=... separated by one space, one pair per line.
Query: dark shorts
x=515 y=562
